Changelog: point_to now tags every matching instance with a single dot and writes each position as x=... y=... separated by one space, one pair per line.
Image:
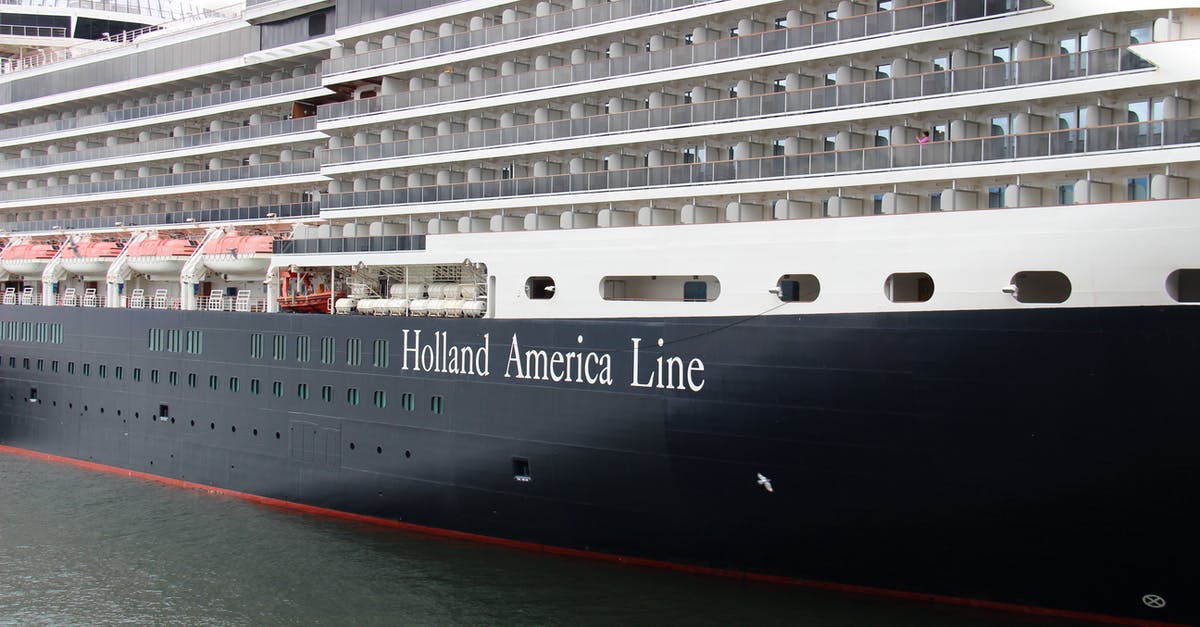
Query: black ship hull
x=1042 y=458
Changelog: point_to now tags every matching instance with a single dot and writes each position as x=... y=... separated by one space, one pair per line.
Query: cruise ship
x=890 y=297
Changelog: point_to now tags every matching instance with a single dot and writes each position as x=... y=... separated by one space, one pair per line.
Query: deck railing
x=879 y=23
x=1054 y=143
x=925 y=85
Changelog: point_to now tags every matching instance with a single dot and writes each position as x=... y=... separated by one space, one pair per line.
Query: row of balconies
x=796 y=93
x=748 y=161
x=953 y=195
x=463 y=33
x=151 y=141
x=707 y=147
x=285 y=163
x=702 y=46
x=117 y=111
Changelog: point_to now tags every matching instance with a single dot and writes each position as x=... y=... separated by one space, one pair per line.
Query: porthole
x=212 y=426
x=908 y=287
x=1040 y=286
x=1183 y=285
x=798 y=288
x=255 y=432
x=540 y=288
x=276 y=435
x=352 y=446
x=407 y=453
x=192 y=422
x=233 y=429
x=379 y=450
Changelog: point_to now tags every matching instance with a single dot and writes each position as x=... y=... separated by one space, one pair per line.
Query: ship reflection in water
x=89 y=548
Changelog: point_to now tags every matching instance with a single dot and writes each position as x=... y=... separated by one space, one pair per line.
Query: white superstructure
x=641 y=158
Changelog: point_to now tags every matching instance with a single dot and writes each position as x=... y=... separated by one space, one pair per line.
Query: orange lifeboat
x=89 y=258
x=239 y=254
x=160 y=256
x=26 y=259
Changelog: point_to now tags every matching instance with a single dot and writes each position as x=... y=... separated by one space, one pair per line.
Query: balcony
x=249 y=92
x=266 y=170
x=1055 y=143
x=931 y=84
x=282 y=128
x=832 y=31
x=555 y=22
x=180 y=218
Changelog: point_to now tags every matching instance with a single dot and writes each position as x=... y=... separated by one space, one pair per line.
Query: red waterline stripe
x=608 y=557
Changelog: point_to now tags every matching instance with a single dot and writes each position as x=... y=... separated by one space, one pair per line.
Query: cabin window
x=407 y=402
x=214 y=382
x=173 y=344
x=234 y=384
x=353 y=351
x=154 y=375
x=279 y=348
x=33 y=398
x=327 y=349
x=118 y=372
x=799 y=288
x=539 y=288
x=191 y=379
x=1041 y=287
x=302 y=348
x=302 y=391
x=437 y=405
x=54 y=367
x=277 y=389
x=327 y=393
x=12 y=363
x=1183 y=285
x=195 y=342
x=173 y=377
x=908 y=287
x=379 y=354
x=255 y=386
x=316 y=25
x=380 y=399
x=520 y=469
x=352 y=396
x=87 y=369
x=137 y=374
x=164 y=412
x=256 y=345
x=695 y=288
x=103 y=369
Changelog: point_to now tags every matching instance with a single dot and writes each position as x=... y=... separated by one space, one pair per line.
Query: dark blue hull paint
x=1040 y=457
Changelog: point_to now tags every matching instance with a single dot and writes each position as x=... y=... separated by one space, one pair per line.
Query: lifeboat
x=89 y=258
x=310 y=303
x=239 y=254
x=160 y=256
x=26 y=259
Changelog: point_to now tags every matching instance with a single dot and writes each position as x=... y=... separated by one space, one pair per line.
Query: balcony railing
x=265 y=170
x=871 y=24
x=378 y=243
x=241 y=133
x=163 y=9
x=249 y=92
x=1055 y=143
x=1044 y=69
x=195 y=216
x=520 y=29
